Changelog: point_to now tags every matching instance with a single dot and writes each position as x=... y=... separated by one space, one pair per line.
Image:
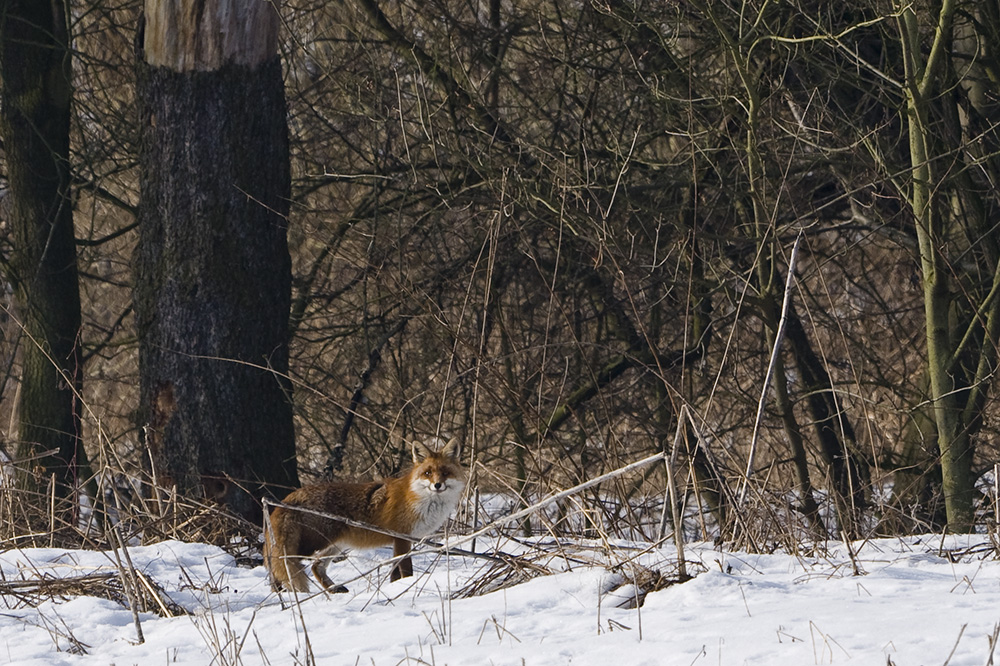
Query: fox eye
x=427 y=472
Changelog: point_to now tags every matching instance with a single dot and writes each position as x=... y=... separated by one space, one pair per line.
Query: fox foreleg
x=404 y=567
x=322 y=559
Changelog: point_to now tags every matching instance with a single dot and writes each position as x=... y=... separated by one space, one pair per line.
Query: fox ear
x=419 y=451
x=451 y=449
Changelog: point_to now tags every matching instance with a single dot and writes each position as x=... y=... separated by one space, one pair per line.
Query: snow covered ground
x=919 y=600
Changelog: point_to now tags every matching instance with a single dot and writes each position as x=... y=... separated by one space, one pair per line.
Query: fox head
x=437 y=472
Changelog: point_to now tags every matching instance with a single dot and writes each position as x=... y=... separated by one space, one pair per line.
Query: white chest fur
x=433 y=507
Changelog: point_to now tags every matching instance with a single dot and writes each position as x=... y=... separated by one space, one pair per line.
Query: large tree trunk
x=213 y=274
x=35 y=68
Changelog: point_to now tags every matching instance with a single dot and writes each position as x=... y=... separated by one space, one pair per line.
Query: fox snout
x=437 y=485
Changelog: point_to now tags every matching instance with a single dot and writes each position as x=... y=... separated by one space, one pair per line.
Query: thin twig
x=672 y=496
x=778 y=337
x=992 y=638
x=128 y=580
x=955 y=646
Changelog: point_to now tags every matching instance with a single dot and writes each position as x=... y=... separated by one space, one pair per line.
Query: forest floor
x=927 y=600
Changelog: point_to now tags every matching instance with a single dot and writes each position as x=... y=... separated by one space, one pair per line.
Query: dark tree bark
x=850 y=474
x=213 y=274
x=35 y=68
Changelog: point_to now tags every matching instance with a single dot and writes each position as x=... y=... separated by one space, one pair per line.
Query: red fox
x=416 y=503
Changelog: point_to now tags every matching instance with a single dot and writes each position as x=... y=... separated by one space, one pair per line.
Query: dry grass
x=32 y=592
x=592 y=524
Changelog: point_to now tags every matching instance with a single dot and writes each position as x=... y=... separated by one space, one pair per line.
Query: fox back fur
x=415 y=503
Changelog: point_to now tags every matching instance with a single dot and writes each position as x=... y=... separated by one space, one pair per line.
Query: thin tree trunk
x=35 y=69
x=921 y=84
x=767 y=274
x=849 y=473
x=783 y=404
